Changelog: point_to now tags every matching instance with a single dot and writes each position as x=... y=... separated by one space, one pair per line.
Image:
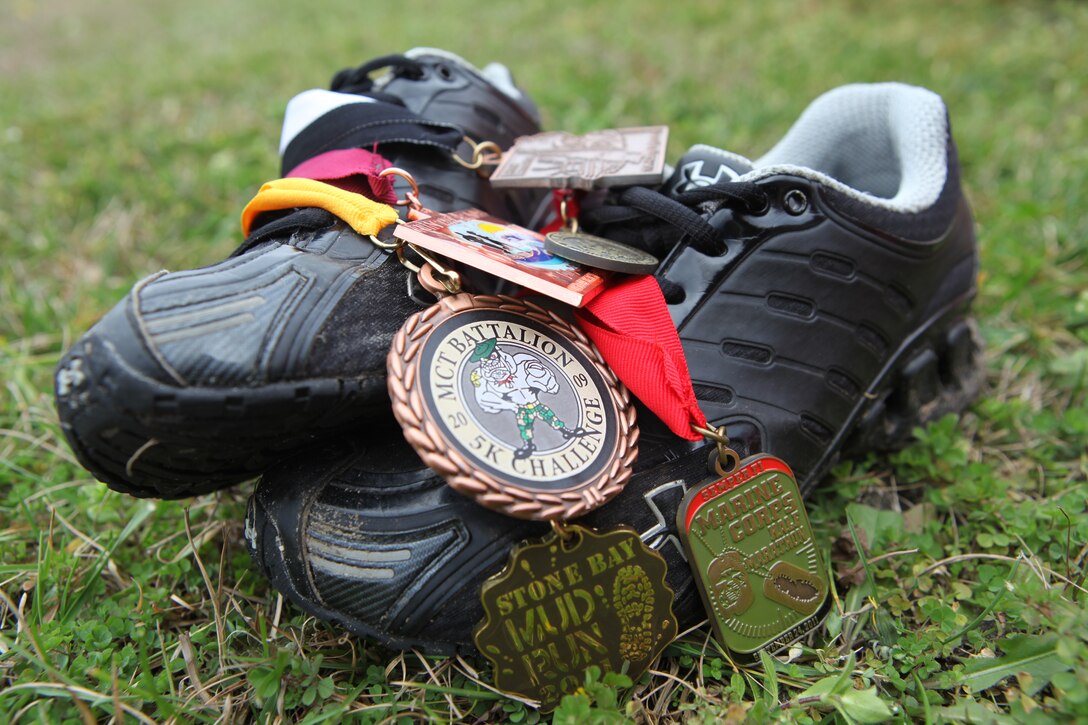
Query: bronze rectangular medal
x=751 y=548
x=596 y=160
x=505 y=250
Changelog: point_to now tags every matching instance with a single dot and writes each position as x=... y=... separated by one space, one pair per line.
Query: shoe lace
x=358 y=80
x=650 y=219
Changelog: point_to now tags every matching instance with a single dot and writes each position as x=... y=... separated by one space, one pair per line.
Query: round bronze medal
x=513 y=406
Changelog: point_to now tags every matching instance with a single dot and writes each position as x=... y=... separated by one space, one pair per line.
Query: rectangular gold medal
x=751 y=549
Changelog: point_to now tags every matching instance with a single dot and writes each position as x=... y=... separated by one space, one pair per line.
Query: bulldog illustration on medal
x=513 y=382
x=520 y=401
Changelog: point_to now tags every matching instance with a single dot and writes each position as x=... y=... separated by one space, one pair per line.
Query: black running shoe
x=201 y=379
x=821 y=294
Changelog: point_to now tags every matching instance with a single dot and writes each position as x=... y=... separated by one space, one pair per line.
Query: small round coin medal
x=599 y=252
x=516 y=408
x=752 y=551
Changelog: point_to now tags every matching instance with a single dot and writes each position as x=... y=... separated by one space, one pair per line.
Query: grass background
x=131 y=134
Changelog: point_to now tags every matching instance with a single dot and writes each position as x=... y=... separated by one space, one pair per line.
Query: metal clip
x=431 y=272
x=484 y=153
x=570 y=223
x=726 y=455
x=567 y=534
x=393 y=245
x=411 y=199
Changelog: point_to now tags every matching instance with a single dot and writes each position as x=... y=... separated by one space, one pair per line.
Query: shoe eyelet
x=762 y=209
x=444 y=72
x=795 y=202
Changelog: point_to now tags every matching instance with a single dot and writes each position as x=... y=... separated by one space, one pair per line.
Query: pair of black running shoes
x=821 y=294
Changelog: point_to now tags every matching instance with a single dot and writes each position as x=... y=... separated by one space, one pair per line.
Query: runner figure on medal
x=505 y=382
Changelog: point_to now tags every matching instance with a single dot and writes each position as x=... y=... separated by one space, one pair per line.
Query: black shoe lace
x=358 y=80
x=650 y=219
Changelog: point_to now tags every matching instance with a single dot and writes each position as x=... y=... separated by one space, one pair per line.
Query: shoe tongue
x=705 y=165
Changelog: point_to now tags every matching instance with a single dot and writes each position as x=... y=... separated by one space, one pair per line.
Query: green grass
x=131 y=134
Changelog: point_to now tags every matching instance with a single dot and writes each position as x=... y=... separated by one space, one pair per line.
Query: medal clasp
x=726 y=459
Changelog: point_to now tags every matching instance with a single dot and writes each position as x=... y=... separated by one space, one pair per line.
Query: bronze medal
x=751 y=548
x=572 y=601
x=504 y=250
x=596 y=160
x=513 y=406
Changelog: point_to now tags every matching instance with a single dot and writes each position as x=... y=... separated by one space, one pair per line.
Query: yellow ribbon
x=363 y=215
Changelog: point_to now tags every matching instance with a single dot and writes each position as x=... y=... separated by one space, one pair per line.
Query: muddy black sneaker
x=201 y=379
x=821 y=294
x=358 y=533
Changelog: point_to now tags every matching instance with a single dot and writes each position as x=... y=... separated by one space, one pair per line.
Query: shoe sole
x=114 y=417
x=935 y=372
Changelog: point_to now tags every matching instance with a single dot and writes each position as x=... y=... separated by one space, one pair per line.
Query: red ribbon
x=630 y=324
x=560 y=197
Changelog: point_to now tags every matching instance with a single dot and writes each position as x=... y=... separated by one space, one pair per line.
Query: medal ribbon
x=565 y=205
x=356 y=170
x=630 y=324
x=362 y=214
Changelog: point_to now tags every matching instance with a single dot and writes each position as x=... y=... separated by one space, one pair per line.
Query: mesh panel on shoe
x=883 y=142
x=921 y=227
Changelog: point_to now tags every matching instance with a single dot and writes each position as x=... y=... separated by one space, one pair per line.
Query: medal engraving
x=751 y=547
x=600 y=253
x=563 y=605
x=596 y=160
x=513 y=406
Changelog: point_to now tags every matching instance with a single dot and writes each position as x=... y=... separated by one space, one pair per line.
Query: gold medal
x=751 y=549
x=579 y=598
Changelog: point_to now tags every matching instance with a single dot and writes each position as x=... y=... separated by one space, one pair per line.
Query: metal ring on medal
x=599 y=252
x=513 y=406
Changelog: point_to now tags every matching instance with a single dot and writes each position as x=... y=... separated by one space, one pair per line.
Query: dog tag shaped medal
x=513 y=406
x=751 y=548
x=596 y=160
x=579 y=598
